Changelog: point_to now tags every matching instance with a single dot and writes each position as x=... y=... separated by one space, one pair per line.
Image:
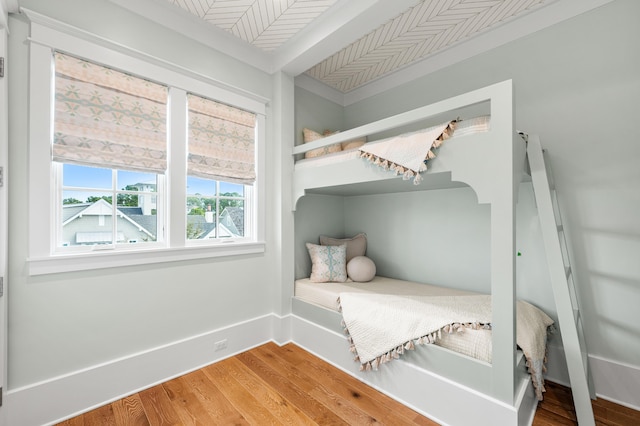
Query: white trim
x=7 y=7
x=4 y=223
x=433 y=396
x=112 y=259
x=614 y=381
x=42 y=250
x=428 y=393
x=60 y=36
x=164 y=13
x=176 y=184
x=66 y=396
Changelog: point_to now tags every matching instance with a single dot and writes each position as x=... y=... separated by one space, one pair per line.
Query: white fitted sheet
x=473 y=343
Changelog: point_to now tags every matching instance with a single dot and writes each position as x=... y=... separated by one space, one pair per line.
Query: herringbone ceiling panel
x=426 y=28
x=266 y=24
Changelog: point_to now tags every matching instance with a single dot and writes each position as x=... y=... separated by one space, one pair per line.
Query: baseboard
x=60 y=398
x=281 y=329
x=63 y=397
x=434 y=396
x=614 y=381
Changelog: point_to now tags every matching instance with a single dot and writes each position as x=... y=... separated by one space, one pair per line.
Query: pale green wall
x=65 y=322
x=577 y=85
x=316 y=113
x=439 y=237
x=316 y=215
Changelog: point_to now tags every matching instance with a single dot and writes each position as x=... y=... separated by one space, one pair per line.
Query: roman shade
x=106 y=118
x=221 y=141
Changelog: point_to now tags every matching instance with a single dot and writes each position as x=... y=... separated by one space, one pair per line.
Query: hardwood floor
x=287 y=385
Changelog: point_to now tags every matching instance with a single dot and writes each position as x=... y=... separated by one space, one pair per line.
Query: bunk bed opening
x=484 y=169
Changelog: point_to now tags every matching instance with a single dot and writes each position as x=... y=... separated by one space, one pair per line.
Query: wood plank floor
x=287 y=385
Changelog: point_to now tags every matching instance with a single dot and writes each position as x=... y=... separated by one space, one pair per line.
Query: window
x=220 y=162
x=86 y=208
x=215 y=209
x=137 y=161
x=109 y=155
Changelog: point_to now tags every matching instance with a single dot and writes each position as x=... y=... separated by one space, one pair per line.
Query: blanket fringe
x=410 y=345
x=408 y=174
x=432 y=338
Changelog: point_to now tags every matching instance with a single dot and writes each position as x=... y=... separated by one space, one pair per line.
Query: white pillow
x=328 y=263
x=361 y=269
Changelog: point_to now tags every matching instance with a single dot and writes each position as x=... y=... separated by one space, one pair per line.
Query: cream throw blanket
x=381 y=327
x=407 y=154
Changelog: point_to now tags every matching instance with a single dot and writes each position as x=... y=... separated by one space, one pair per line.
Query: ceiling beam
x=346 y=22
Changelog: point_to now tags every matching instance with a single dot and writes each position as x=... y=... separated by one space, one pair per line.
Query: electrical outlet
x=220 y=345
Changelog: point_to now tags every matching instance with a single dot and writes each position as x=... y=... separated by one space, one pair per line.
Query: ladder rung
x=576 y=315
x=560 y=228
x=567 y=271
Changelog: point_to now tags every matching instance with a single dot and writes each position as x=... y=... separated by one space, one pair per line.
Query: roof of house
x=201 y=224
x=236 y=214
x=148 y=223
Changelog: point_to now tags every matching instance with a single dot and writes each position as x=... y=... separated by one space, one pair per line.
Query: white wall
x=577 y=85
x=61 y=324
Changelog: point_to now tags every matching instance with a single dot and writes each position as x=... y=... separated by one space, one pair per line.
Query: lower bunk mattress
x=473 y=343
x=386 y=316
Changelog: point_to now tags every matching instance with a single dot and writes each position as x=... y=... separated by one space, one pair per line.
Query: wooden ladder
x=562 y=282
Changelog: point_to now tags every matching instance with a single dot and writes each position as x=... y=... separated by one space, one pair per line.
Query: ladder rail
x=569 y=321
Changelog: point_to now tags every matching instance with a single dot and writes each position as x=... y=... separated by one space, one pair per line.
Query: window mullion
x=176 y=182
x=114 y=207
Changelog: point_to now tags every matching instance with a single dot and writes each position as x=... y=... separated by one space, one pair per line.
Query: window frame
x=48 y=35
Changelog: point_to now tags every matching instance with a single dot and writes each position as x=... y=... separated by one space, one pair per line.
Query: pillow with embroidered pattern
x=328 y=263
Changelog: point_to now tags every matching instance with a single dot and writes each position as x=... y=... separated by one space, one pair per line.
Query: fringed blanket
x=381 y=327
x=407 y=154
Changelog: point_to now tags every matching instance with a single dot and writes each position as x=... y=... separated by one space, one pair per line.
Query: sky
x=94 y=179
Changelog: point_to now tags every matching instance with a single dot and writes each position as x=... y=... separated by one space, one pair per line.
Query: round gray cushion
x=361 y=269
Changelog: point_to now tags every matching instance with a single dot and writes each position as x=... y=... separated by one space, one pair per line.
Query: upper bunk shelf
x=479 y=160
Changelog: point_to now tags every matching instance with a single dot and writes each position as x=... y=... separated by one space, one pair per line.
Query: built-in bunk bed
x=450 y=387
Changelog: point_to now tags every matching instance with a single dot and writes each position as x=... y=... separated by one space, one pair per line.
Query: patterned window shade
x=221 y=141
x=106 y=118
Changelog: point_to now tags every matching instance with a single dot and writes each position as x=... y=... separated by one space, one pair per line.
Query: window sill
x=112 y=259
